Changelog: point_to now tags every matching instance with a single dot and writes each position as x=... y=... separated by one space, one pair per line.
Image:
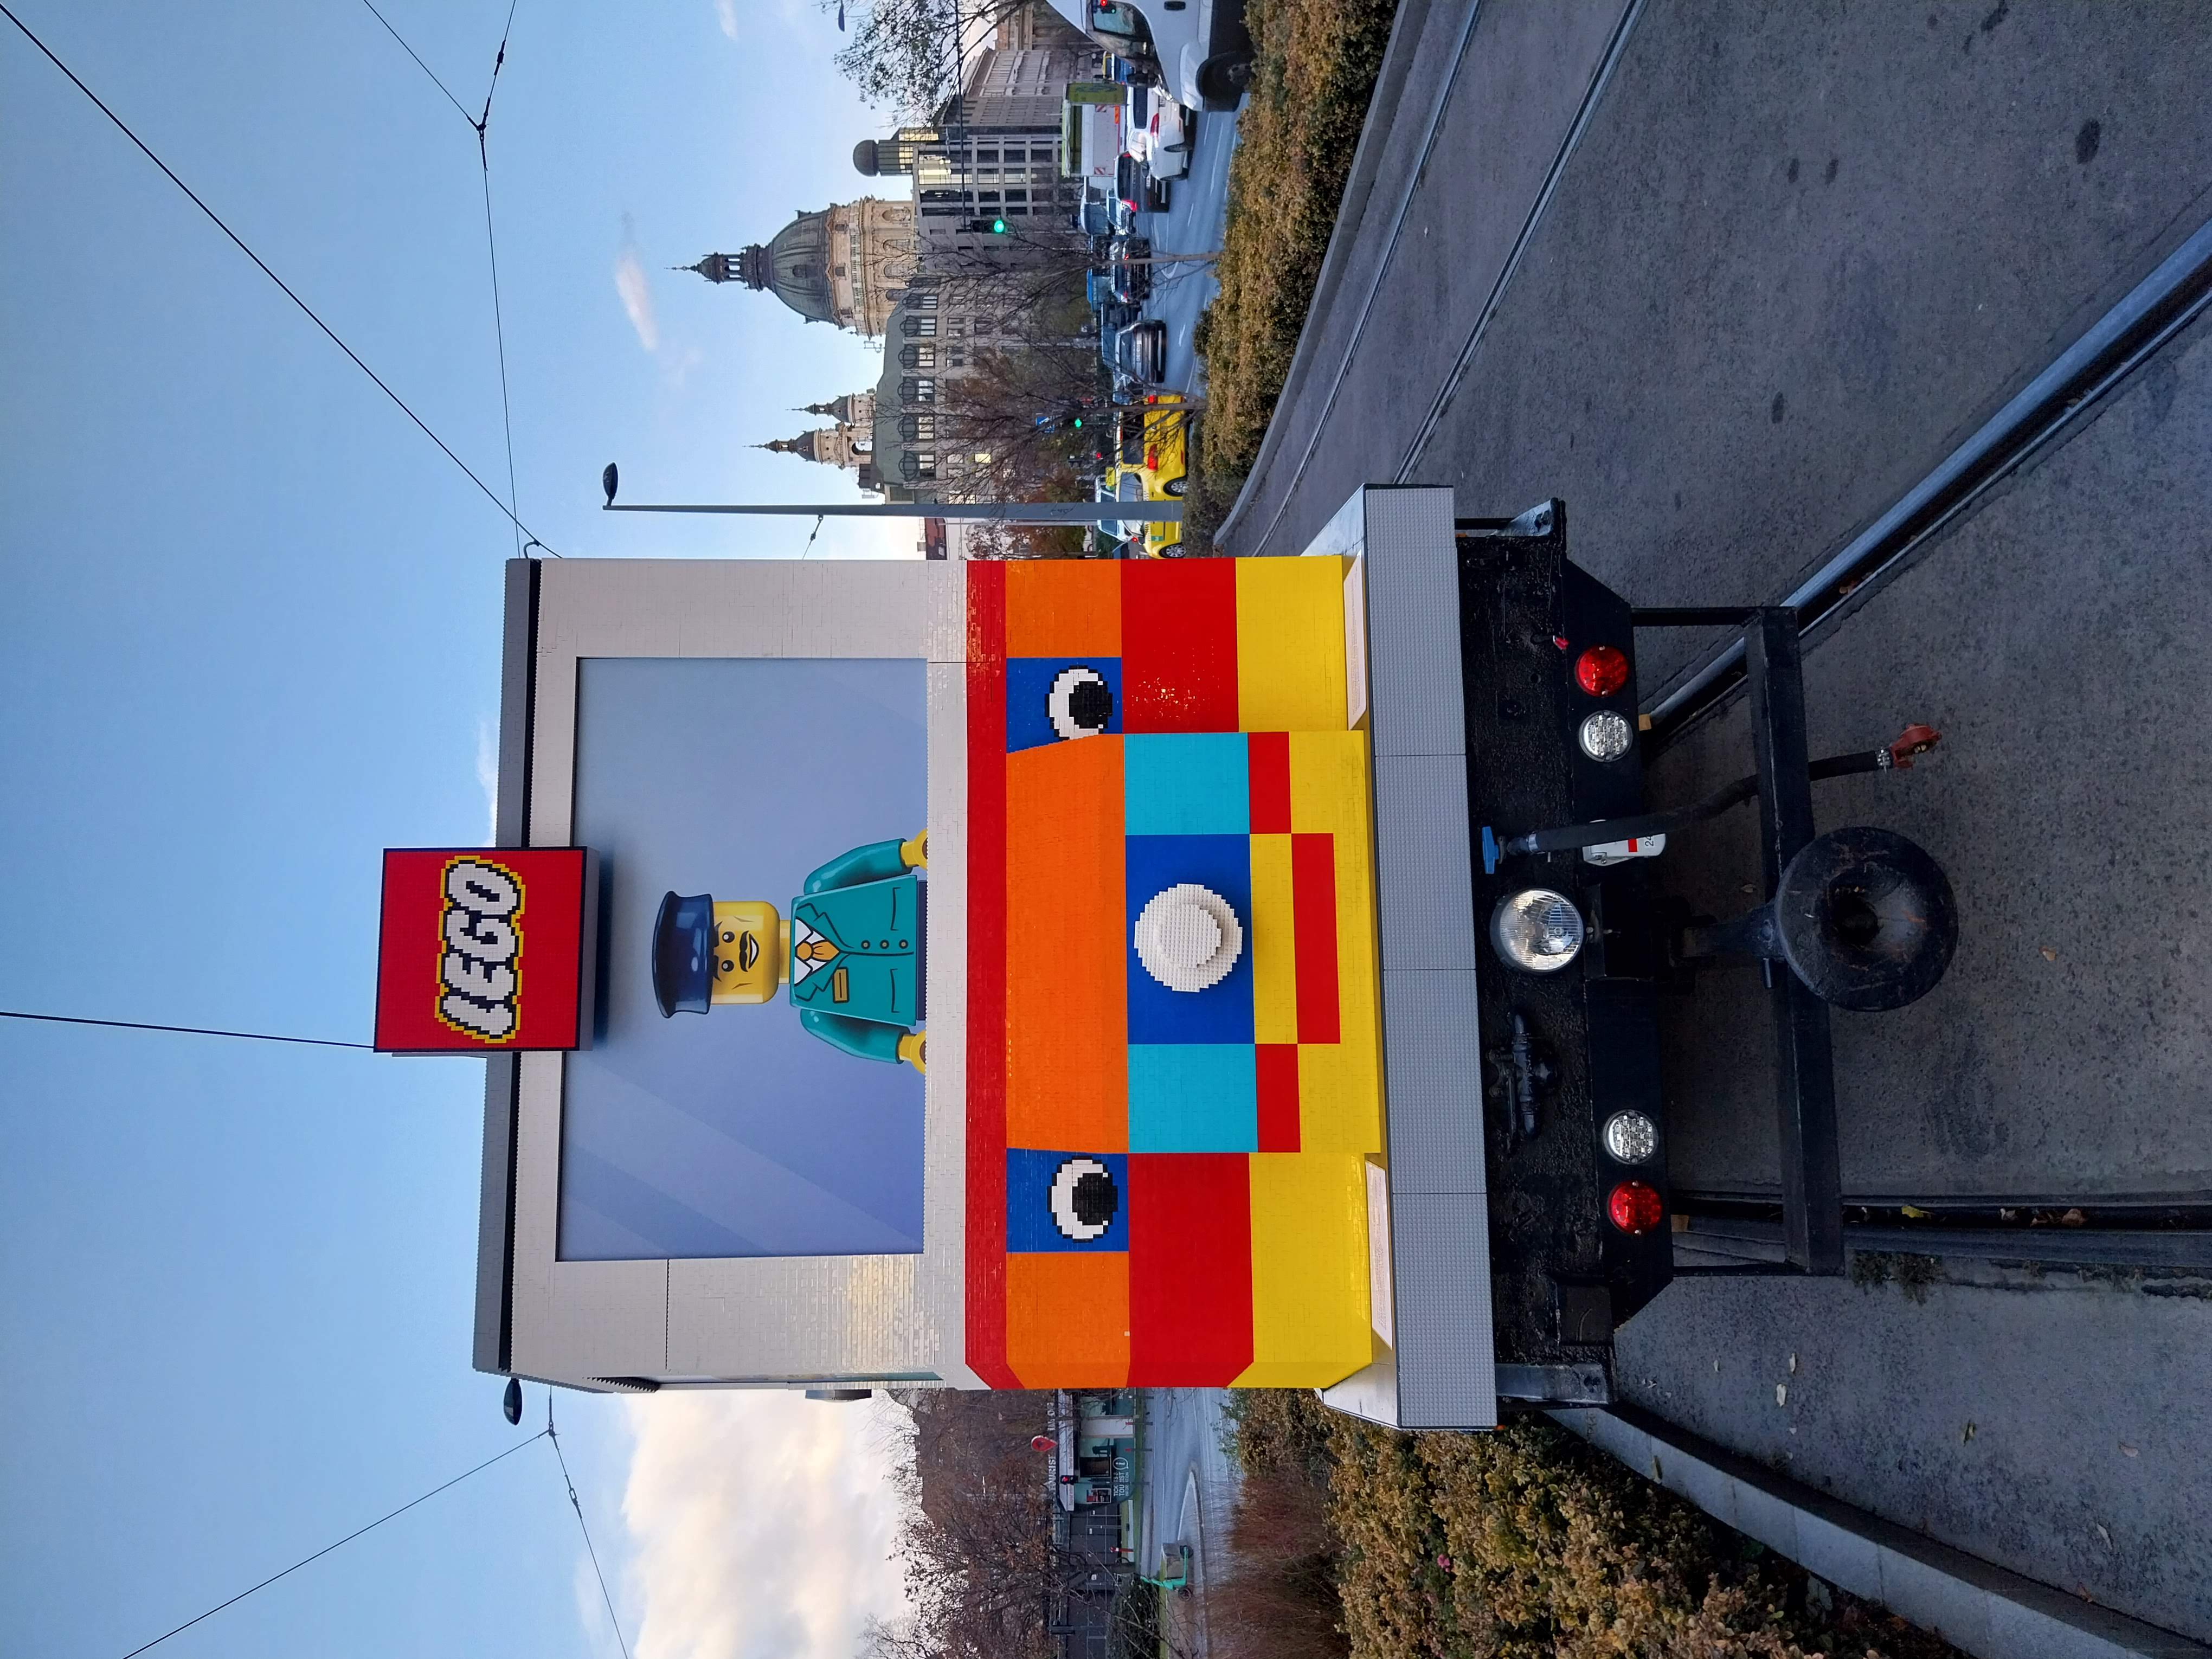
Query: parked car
x=1130 y=278
x=1140 y=351
x=1136 y=190
x=1158 y=133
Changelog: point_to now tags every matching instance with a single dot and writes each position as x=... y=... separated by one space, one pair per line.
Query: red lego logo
x=454 y=975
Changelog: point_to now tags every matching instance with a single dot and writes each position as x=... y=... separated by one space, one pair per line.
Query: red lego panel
x=987 y=975
x=1179 y=645
x=1267 y=770
x=1278 y=1097
x=481 y=949
x=1190 y=1269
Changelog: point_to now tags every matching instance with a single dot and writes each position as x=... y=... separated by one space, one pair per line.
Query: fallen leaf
x=2049 y=955
x=2073 y=1219
x=2129 y=1450
x=1914 y=1211
x=2107 y=1536
x=1972 y=1428
x=1793 y=1365
x=1781 y=1394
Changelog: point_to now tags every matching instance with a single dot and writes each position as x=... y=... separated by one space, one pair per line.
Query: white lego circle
x=1065 y=1215
x=1189 y=937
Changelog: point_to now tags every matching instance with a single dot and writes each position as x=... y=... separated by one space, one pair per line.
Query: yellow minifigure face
x=750 y=958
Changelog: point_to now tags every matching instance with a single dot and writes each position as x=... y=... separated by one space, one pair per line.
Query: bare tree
x=906 y=56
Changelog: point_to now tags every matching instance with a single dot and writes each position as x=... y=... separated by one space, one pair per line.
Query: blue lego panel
x=1066 y=1202
x=1056 y=699
x=1186 y=783
x=1222 y=1013
x=1194 y=1097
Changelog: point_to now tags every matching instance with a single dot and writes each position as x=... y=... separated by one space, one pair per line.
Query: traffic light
x=985 y=227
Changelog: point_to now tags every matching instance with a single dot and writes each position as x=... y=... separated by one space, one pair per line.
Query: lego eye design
x=1084 y=1199
x=1080 y=702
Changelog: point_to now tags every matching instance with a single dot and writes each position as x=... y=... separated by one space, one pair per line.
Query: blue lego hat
x=683 y=956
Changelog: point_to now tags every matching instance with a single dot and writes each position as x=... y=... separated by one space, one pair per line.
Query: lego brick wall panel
x=1421 y=861
x=1436 y=1084
x=1273 y=942
x=1179 y=645
x=1063 y=608
x=1310 y=1326
x=1067 y=1320
x=1190 y=1269
x=1446 y=1356
x=1065 y=1015
x=1290 y=645
x=985 y=1292
x=1341 y=1083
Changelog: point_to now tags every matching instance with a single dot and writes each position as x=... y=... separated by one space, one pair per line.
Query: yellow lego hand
x=914 y=853
x=912 y=1048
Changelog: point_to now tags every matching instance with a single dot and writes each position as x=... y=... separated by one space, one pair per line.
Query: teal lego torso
x=875 y=972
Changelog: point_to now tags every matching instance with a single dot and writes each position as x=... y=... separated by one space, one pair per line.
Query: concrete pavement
x=1198 y=207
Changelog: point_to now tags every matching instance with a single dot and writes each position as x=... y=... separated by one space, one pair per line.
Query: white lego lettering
x=483 y=887
x=478 y=982
x=494 y=1020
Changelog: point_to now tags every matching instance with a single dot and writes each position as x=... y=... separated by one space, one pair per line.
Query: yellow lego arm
x=913 y=1048
x=914 y=851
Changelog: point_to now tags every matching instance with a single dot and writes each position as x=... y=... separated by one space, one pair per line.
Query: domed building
x=845 y=263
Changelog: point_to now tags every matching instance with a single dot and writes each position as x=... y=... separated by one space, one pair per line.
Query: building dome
x=864 y=158
x=794 y=266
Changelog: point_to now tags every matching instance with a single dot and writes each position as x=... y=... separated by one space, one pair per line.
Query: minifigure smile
x=748 y=953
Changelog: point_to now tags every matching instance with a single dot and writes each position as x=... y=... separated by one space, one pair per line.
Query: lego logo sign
x=484 y=950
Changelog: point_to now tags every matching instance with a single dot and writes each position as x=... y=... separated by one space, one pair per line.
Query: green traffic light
x=997 y=227
x=1079 y=423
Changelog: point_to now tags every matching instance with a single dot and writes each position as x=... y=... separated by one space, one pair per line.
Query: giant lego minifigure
x=851 y=951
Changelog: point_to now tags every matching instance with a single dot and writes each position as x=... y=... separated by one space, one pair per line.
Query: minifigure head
x=751 y=958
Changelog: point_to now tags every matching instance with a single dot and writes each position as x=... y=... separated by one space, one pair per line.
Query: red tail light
x=1601 y=671
x=1635 y=1207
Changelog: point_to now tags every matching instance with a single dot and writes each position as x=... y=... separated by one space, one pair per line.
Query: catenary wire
x=188 y=1030
x=124 y=127
x=541 y=1435
x=481 y=126
x=589 y=1548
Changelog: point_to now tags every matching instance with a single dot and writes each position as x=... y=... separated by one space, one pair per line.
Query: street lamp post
x=1168 y=512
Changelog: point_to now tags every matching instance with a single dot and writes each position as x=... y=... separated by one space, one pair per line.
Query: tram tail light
x=1601 y=670
x=1635 y=1208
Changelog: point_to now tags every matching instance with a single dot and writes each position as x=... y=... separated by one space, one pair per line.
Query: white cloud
x=726 y=11
x=488 y=777
x=762 y=1524
x=636 y=291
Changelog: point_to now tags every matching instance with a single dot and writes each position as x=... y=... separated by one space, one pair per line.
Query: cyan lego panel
x=1222 y=1012
x=1056 y=699
x=1193 y=1097
x=1186 y=784
x=1066 y=1202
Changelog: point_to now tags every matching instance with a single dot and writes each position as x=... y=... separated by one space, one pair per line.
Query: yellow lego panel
x=1068 y=1318
x=1341 y=1083
x=1274 y=946
x=1310 y=1317
x=1290 y=645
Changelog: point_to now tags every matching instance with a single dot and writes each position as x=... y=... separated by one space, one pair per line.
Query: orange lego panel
x=1068 y=1056
x=1064 y=608
x=1067 y=1319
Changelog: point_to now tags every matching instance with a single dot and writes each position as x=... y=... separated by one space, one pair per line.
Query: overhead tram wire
x=187 y=1030
x=394 y=1515
x=575 y=1504
x=480 y=124
x=124 y=127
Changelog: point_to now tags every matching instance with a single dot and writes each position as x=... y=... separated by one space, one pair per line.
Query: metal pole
x=1169 y=512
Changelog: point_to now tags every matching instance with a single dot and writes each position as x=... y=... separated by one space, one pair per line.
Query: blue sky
x=251 y=638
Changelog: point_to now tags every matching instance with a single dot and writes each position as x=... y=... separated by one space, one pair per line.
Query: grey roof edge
x=1985 y=1609
x=494 y=1347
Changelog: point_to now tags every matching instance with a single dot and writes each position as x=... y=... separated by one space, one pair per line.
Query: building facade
x=844 y=264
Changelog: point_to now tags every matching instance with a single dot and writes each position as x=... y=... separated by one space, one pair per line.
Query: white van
x=1201 y=47
x=1091 y=137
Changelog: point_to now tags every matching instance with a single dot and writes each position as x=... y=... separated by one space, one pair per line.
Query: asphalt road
x=1198 y=206
x=1793 y=254
x=1189 y=1485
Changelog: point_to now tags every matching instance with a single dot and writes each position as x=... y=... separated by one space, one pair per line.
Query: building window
x=922 y=427
x=918 y=464
x=923 y=300
x=922 y=390
x=836 y=270
x=918 y=356
x=919 y=327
